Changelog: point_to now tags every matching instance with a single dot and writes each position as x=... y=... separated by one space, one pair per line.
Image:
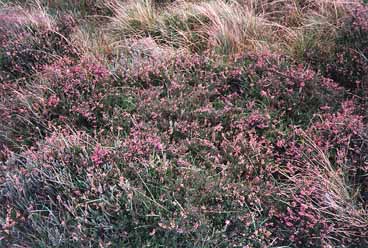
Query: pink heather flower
x=53 y=101
x=325 y=107
x=99 y=154
x=289 y=224
x=159 y=146
x=280 y=143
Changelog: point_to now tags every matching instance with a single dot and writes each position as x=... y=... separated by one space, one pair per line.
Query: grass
x=183 y=124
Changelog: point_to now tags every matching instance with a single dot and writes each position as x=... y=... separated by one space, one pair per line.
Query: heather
x=183 y=124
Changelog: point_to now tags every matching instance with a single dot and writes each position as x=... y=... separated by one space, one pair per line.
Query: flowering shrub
x=25 y=50
x=320 y=204
x=297 y=92
x=77 y=88
x=65 y=91
x=347 y=62
x=162 y=148
x=351 y=63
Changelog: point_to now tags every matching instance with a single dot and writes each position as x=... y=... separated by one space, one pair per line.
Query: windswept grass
x=229 y=27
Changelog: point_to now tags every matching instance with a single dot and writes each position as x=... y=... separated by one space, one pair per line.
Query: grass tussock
x=228 y=26
x=233 y=26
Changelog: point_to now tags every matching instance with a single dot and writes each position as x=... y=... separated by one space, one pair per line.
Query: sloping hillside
x=239 y=123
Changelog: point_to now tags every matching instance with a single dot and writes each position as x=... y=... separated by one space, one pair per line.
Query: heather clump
x=279 y=83
x=74 y=181
x=345 y=58
x=293 y=90
x=323 y=206
x=77 y=89
x=65 y=91
x=342 y=135
x=184 y=124
x=56 y=175
x=32 y=43
x=205 y=143
x=350 y=63
x=321 y=171
x=21 y=123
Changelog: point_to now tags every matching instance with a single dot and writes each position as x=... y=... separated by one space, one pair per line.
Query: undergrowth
x=183 y=124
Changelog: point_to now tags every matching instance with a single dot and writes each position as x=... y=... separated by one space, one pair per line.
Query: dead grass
x=133 y=17
x=230 y=27
x=333 y=197
x=36 y=16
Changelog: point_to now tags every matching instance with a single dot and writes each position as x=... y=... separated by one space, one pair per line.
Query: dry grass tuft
x=133 y=17
x=36 y=16
x=331 y=196
x=232 y=27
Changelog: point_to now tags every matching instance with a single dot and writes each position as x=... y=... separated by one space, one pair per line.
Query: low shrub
x=32 y=45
